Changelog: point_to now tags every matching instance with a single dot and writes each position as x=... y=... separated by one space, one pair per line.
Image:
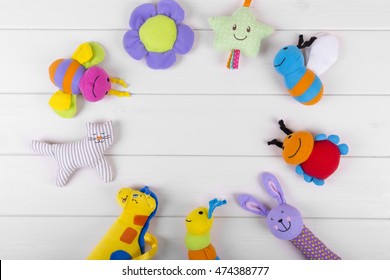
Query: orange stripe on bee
x=317 y=98
x=68 y=78
x=303 y=84
x=53 y=68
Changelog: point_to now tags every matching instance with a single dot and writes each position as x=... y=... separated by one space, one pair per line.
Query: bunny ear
x=252 y=205
x=272 y=186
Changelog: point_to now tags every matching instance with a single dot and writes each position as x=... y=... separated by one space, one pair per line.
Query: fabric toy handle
x=153 y=243
x=311 y=247
x=233 y=60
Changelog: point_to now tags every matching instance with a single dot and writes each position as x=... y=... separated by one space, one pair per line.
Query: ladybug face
x=297 y=147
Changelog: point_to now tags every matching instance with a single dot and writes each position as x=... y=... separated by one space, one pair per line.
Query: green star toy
x=240 y=32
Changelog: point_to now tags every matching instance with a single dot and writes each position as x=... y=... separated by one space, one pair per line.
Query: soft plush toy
x=303 y=82
x=316 y=157
x=126 y=238
x=239 y=33
x=199 y=223
x=158 y=34
x=86 y=152
x=80 y=74
x=285 y=221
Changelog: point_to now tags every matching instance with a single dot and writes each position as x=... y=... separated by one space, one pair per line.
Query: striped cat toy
x=199 y=223
x=285 y=222
x=86 y=152
x=239 y=33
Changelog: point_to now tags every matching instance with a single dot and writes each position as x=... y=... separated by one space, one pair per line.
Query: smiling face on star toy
x=158 y=34
x=239 y=31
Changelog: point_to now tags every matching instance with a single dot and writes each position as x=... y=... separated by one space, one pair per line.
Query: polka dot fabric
x=312 y=247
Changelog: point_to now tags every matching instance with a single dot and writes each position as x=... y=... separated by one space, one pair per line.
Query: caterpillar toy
x=199 y=223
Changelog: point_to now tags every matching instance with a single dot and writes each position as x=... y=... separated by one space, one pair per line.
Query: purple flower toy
x=158 y=34
x=285 y=221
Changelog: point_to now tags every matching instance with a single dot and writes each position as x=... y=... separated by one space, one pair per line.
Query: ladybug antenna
x=276 y=143
x=284 y=128
x=302 y=44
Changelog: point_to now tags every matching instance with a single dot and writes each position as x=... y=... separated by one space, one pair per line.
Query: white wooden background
x=196 y=131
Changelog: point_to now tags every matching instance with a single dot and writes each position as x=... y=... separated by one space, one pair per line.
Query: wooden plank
x=283 y=14
x=359 y=71
x=359 y=189
x=74 y=237
x=199 y=125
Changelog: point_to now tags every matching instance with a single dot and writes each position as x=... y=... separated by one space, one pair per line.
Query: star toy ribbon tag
x=239 y=33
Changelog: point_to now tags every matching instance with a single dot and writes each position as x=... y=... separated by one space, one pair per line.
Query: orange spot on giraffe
x=128 y=235
x=140 y=220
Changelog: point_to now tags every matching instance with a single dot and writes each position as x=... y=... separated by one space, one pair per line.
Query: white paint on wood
x=359 y=189
x=200 y=125
x=75 y=237
x=282 y=14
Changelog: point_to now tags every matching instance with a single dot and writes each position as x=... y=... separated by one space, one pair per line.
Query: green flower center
x=158 y=34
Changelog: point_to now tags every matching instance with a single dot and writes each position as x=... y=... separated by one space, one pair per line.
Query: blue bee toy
x=302 y=80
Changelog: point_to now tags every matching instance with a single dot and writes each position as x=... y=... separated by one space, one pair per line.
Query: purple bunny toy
x=285 y=221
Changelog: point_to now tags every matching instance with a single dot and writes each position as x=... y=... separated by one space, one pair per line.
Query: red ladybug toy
x=316 y=158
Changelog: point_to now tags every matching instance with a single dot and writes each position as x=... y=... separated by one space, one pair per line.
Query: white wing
x=322 y=53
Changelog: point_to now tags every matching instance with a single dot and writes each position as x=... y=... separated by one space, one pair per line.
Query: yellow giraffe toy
x=126 y=238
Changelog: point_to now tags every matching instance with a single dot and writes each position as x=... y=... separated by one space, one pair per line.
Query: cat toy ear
x=214 y=204
x=272 y=186
x=108 y=126
x=250 y=204
x=90 y=125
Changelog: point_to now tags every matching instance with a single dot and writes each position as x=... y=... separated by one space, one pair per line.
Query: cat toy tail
x=42 y=148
